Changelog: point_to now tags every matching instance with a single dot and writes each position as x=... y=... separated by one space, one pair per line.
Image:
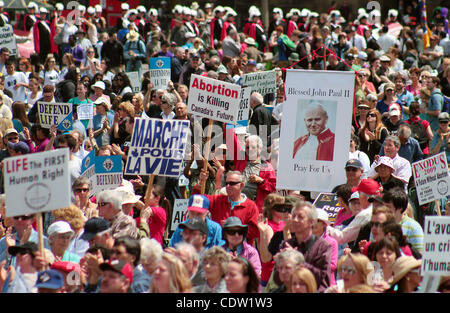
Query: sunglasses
x=351 y=169
x=101 y=204
x=349 y=269
x=372 y=115
x=363 y=108
x=376 y=224
x=281 y=208
x=235 y=231
x=23 y=217
x=82 y=190
x=232 y=183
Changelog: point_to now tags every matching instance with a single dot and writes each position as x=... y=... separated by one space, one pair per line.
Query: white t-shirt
x=49 y=77
x=19 y=94
x=32 y=101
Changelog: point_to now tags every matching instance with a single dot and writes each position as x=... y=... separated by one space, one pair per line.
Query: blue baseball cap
x=198 y=203
x=50 y=279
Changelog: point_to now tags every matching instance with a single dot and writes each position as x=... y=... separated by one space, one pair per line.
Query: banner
x=37 y=182
x=179 y=213
x=431 y=178
x=214 y=99
x=436 y=245
x=59 y=114
x=328 y=202
x=159 y=72
x=157 y=147
x=262 y=82
x=315 y=132
x=7 y=39
x=135 y=81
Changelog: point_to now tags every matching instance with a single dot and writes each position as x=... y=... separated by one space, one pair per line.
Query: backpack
x=419 y=133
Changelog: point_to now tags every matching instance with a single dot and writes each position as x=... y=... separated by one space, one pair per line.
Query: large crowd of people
x=241 y=234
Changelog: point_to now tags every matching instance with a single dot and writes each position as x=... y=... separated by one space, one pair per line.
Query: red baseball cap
x=120 y=267
x=368 y=186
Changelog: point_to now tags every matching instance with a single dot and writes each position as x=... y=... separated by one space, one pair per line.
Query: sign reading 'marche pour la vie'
x=157 y=147
x=214 y=99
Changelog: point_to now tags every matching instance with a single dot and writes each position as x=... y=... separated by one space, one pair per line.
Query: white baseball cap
x=90 y=10
x=125 y=6
x=59 y=227
x=59 y=6
x=43 y=10
x=99 y=84
x=98 y=8
x=322 y=215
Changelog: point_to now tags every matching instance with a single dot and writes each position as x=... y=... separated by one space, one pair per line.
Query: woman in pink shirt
x=320 y=230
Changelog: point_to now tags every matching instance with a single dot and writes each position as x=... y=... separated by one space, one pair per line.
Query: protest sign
x=159 y=72
x=85 y=111
x=214 y=99
x=262 y=82
x=315 y=132
x=135 y=81
x=59 y=114
x=157 y=147
x=7 y=39
x=88 y=169
x=431 y=178
x=37 y=182
x=179 y=213
x=244 y=106
x=328 y=202
x=108 y=172
x=436 y=245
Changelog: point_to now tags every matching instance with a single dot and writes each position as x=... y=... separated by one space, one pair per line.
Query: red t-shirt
x=156 y=223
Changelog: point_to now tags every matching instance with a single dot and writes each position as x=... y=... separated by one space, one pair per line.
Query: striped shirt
x=413 y=232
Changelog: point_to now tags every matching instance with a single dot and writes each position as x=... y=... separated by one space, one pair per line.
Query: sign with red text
x=436 y=245
x=214 y=99
x=37 y=182
x=431 y=178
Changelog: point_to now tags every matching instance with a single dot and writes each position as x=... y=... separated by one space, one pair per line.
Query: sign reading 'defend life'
x=436 y=245
x=262 y=82
x=59 y=114
x=7 y=39
x=315 y=133
x=179 y=213
x=431 y=178
x=37 y=182
x=159 y=72
x=157 y=147
x=135 y=81
x=330 y=203
x=214 y=99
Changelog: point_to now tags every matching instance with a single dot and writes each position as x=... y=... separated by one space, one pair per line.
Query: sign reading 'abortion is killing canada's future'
x=214 y=99
x=157 y=147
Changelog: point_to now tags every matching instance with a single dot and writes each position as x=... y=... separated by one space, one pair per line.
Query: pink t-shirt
x=156 y=224
x=267 y=267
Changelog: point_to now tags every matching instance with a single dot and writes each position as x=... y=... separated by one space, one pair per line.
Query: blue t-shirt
x=435 y=103
x=214 y=235
x=383 y=107
x=405 y=99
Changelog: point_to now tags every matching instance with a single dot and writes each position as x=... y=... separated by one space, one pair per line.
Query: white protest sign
x=431 y=178
x=37 y=182
x=159 y=72
x=157 y=147
x=214 y=99
x=436 y=245
x=315 y=132
x=262 y=82
x=85 y=111
x=244 y=106
x=179 y=213
x=59 y=114
x=135 y=81
x=7 y=39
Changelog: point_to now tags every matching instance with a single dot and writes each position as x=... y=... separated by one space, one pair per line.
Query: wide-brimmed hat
x=385 y=160
x=99 y=84
x=402 y=266
x=132 y=36
x=104 y=101
x=250 y=41
x=294 y=57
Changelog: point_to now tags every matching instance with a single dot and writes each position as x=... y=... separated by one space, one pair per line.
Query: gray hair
x=394 y=139
x=256 y=138
x=257 y=97
x=314 y=106
x=190 y=249
x=170 y=98
x=112 y=197
x=80 y=134
x=151 y=250
x=312 y=212
x=239 y=174
x=290 y=254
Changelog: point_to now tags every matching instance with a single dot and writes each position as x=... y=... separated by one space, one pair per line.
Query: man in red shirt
x=235 y=203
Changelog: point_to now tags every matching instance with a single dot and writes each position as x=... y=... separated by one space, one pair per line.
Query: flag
x=423 y=18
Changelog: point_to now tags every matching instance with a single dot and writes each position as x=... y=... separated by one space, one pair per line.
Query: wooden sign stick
x=149 y=190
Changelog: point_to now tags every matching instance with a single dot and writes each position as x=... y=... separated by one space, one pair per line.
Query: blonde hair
x=362 y=264
x=180 y=281
x=127 y=107
x=305 y=276
x=72 y=215
x=270 y=201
